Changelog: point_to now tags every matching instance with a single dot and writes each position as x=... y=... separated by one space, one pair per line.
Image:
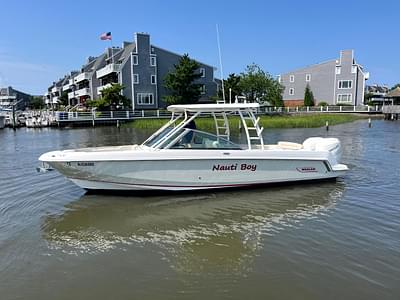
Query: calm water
x=323 y=241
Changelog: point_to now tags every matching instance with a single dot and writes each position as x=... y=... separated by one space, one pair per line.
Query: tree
x=180 y=82
x=308 y=97
x=64 y=98
x=259 y=86
x=111 y=98
x=395 y=86
x=233 y=83
x=36 y=102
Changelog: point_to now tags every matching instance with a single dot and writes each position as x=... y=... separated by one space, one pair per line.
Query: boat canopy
x=212 y=107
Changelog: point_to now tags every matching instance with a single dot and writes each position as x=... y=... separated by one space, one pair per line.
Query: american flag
x=106 y=36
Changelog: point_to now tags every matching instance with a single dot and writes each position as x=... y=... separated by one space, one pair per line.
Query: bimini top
x=212 y=107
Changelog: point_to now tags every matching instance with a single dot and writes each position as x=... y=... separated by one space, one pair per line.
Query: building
x=10 y=97
x=376 y=94
x=336 y=82
x=393 y=96
x=139 y=66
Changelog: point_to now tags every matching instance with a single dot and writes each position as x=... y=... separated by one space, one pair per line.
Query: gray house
x=336 y=82
x=140 y=67
x=10 y=97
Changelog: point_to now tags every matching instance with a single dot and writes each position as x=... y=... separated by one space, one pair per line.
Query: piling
x=369 y=123
x=327 y=125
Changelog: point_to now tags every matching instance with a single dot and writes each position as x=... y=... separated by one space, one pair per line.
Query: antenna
x=220 y=64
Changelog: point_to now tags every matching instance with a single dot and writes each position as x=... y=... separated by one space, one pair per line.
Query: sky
x=43 y=40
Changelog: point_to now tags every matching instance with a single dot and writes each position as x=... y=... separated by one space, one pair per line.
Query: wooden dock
x=391 y=112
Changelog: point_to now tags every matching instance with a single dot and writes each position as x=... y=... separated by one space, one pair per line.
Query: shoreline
x=277 y=121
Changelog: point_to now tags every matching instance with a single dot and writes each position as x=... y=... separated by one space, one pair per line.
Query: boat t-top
x=179 y=157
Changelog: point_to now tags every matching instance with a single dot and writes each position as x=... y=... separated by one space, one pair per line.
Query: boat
x=179 y=157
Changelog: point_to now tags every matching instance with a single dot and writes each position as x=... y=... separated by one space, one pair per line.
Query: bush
x=322 y=103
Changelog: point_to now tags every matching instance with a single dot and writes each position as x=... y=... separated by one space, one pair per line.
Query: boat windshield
x=195 y=139
x=158 y=137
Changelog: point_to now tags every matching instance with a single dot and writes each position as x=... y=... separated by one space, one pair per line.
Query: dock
x=391 y=112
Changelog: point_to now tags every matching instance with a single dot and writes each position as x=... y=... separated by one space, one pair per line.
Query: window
x=203 y=89
x=153 y=61
x=291 y=91
x=308 y=77
x=291 y=78
x=145 y=98
x=353 y=69
x=338 y=70
x=153 y=79
x=345 y=84
x=344 y=98
x=135 y=60
x=203 y=72
x=136 y=78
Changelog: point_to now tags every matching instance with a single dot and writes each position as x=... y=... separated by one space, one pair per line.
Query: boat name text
x=235 y=167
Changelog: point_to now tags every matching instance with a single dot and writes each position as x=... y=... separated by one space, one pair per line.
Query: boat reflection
x=211 y=231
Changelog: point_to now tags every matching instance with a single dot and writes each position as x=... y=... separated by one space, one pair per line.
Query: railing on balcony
x=81 y=77
x=108 y=69
x=79 y=93
x=100 y=88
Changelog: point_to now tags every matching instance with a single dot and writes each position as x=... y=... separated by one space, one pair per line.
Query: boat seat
x=289 y=145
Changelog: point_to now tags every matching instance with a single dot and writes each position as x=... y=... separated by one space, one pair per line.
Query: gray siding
x=321 y=82
x=324 y=81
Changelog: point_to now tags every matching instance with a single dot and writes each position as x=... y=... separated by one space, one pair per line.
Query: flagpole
x=112 y=51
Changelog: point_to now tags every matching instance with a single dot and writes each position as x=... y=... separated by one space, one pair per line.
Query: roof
x=212 y=107
x=394 y=93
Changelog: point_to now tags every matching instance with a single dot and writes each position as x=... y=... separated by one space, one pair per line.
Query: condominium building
x=336 y=82
x=139 y=66
x=10 y=97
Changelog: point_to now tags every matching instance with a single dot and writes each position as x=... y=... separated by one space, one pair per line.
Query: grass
x=285 y=121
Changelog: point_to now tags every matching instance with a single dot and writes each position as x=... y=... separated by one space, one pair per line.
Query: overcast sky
x=43 y=40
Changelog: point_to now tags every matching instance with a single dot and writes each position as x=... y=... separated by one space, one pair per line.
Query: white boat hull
x=174 y=173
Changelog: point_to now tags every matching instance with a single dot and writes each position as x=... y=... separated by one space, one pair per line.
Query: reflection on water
x=214 y=231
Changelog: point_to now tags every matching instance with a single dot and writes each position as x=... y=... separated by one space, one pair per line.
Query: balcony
x=79 y=93
x=55 y=100
x=68 y=85
x=100 y=88
x=110 y=68
x=81 y=77
x=7 y=97
x=55 y=89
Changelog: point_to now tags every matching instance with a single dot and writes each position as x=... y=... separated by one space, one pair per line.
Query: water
x=338 y=240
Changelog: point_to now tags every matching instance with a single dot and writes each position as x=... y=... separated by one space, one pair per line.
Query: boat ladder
x=221 y=125
x=252 y=128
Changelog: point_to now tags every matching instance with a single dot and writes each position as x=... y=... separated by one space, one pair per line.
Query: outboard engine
x=325 y=144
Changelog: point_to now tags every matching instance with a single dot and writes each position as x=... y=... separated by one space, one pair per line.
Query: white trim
x=133 y=86
x=345 y=80
x=151 y=79
x=203 y=89
x=135 y=78
x=203 y=72
x=349 y=98
x=140 y=98
x=135 y=56
x=291 y=91
x=338 y=70
x=291 y=78
x=308 y=77
x=153 y=58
